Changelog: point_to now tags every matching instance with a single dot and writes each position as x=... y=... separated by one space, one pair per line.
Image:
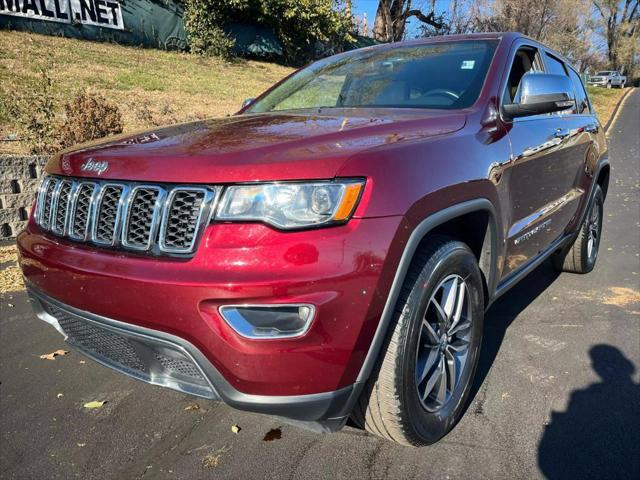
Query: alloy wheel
x=443 y=344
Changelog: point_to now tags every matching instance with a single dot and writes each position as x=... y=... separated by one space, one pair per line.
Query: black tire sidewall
x=596 y=202
x=429 y=427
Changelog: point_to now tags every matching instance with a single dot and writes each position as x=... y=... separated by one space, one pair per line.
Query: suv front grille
x=150 y=218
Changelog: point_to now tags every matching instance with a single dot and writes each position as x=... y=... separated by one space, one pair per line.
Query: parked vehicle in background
x=608 y=78
x=330 y=251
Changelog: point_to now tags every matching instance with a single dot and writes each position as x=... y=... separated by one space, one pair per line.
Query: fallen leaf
x=212 y=459
x=193 y=406
x=82 y=362
x=504 y=396
x=95 y=404
x=235 y=428
x=273 y=434
x=82 y=445
x=60 y=395
x=53 y=355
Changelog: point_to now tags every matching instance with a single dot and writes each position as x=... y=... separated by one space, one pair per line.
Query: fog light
x=269 y=321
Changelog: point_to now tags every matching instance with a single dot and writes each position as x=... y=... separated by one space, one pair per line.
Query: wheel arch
x=449 y=220
x=603 y=178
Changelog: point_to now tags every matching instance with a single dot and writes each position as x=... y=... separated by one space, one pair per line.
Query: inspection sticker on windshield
x=467 y=64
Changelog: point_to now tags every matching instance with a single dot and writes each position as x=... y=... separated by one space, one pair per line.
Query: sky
x=370 y=6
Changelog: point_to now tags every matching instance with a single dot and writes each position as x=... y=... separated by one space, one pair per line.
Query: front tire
x=421 y=385
x=581 y=256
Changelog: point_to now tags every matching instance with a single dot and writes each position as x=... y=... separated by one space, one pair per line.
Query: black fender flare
x=416 y=237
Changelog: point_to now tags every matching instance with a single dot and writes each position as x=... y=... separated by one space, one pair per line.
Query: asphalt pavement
x=556 y=395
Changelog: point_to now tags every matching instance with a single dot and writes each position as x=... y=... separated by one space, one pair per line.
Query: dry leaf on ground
x=235 y=428
x=95 y=404
x=53 y=355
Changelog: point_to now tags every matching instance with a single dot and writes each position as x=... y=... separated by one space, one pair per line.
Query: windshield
x=604 y=74
x=440 y=75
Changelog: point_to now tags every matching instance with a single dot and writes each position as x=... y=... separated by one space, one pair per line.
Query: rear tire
x=581 y=256
x=422 y=381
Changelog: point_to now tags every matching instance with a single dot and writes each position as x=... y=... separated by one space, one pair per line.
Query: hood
x=258 y=147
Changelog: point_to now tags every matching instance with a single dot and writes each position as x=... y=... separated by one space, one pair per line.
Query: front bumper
x=345 y=272
x=167 y=360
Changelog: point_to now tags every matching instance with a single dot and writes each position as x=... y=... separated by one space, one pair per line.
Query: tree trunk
x=391 y=20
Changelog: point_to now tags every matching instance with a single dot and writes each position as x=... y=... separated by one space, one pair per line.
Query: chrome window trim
x=155 y=219
x=210 y=198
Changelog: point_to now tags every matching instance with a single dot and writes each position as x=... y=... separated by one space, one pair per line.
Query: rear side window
x=555 y=66
x=582 y=102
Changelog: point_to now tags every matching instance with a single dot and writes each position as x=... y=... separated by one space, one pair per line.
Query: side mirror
x=247 y=102
x=540 y=93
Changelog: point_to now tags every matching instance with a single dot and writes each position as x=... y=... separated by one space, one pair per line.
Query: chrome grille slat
x=47 y=200
x=59 y=212
x=181 y=219
x=107 y=214
x=141 y=216
x=81 y=210
x=156 y=219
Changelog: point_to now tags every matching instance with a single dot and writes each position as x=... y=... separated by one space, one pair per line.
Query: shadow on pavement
x=500 y=316
x=599 y=434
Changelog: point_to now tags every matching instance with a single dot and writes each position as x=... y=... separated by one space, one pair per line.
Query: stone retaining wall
x=18 y=184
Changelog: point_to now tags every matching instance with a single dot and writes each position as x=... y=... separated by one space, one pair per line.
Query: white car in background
x=608 y=78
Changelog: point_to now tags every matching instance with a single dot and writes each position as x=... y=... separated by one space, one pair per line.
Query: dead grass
x=10 y=274
x=605 y=100
x=151 y=87
x=622 y=297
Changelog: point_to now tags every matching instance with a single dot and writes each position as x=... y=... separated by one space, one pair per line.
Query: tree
x=619 y=21
x=563 y=25
x=391 y=19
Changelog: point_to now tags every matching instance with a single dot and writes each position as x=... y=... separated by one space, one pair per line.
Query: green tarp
x=150 y=23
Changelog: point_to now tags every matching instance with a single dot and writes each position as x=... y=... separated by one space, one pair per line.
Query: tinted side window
x=525 y=60
x=582 y=102
x=555 y=66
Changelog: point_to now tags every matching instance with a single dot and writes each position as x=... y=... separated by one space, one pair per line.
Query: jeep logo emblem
x=92 y=166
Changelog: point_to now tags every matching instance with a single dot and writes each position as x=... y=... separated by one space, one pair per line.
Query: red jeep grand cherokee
x=329 y=251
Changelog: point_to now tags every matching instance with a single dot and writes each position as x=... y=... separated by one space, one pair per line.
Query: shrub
x=213 y=42
x=89 y=116
x=35 y=114
x=300 y=25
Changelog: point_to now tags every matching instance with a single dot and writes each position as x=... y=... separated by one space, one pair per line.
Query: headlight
x=291 y=205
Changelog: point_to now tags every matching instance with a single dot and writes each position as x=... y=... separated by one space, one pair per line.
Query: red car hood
x=274 y=146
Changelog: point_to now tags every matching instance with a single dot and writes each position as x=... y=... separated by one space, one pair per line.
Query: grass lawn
x=605 y=100
x=151 y=87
